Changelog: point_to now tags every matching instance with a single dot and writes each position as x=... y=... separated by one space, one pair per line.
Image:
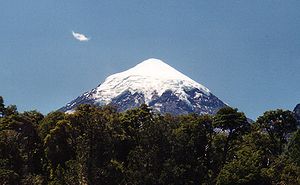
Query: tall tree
x=189 y=151
x=2 y=107
x=279 y=124
x=233 y=123
x=94 y=148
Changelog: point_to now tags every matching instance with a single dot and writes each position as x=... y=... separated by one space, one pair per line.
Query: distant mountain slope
x=156 y=84
x=297 y=112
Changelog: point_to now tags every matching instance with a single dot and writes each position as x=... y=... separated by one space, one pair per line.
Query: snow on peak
x=150 y=77
x=156 y=68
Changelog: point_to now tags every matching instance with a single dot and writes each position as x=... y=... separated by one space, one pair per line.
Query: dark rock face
x=297 y=112
x=83 y=99
x=196 y=102
x=127 y=101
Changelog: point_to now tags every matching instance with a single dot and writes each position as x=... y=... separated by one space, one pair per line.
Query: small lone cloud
x=80 y=37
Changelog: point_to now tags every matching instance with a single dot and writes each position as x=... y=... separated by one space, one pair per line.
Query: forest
x=98 y=145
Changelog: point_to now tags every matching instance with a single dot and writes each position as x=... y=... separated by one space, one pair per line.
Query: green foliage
x=283 y=171
x=189 y=144
x=49 y=122
x=33 y=180
x=293 y=150
x=10 y=110
x=9 y=177
x=34 y=116
x=229 y=119
x=98 y=145
x=2 y=107
x=278 y=124
x=7 y=111
x=9 y=151
x=245 y=168
x=234 y=124
x=57 y=144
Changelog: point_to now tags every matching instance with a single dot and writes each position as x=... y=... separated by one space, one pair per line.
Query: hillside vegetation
x=98 y=145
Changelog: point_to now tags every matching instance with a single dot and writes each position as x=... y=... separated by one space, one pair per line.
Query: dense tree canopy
x=98 y=145
x=278 y=124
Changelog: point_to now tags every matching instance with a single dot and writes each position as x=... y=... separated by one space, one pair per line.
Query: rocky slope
x=297 y=112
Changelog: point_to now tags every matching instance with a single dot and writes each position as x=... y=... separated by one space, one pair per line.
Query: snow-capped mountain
x=156 y=84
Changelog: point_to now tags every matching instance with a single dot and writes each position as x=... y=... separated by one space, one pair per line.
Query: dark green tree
x=251 y=157
x=7 y=110
x=58 y=145
x=94 y=148
x=244 y=169
x=29 y=143
x=140 y=144
x=10 y=110
x=189 y=152
x=34 y=116
x=48 y=122
x=233 y=123
x=283 y=171
x=278 y=124
x=2 y=107
x=10 y=158
x=293 y=149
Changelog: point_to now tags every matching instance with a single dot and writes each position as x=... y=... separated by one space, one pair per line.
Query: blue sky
x=246 y=52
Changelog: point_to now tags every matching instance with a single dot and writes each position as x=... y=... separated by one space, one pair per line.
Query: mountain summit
x=156 y=84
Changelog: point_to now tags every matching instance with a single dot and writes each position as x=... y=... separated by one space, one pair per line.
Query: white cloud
x=80 y=37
